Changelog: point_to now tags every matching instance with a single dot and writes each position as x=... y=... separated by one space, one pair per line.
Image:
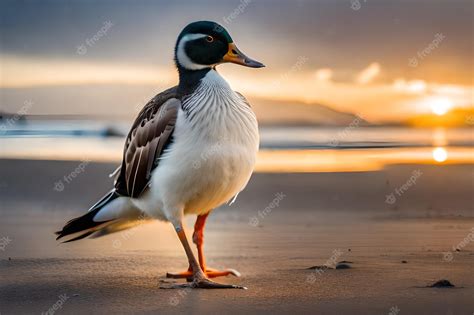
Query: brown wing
x=150 y=134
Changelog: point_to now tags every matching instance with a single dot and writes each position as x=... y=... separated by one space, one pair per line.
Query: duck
x=192 y=149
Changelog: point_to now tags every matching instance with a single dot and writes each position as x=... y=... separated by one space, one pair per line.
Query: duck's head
x=204 y=45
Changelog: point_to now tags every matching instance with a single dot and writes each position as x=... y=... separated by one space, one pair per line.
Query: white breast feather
x=212 y=156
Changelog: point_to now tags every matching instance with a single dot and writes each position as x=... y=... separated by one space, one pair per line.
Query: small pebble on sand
x=442 y=284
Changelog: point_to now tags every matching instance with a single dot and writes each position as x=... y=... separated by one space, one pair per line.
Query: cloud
x=384 y=101
x=323 y=75
x=27 y=72
x=412 y=86
x=368 y=74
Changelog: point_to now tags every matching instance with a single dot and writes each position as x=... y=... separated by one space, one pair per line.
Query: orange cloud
x=375 y=102
x=21 y=72
x=412 y=86
x=368 y=74
x=323 y=75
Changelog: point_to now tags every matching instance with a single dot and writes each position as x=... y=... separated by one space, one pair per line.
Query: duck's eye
x=210 y=39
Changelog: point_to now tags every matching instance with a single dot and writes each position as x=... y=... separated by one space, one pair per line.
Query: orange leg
x=199 y=278
x=198 y=239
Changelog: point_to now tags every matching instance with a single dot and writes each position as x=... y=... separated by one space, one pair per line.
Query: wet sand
x=320 y=218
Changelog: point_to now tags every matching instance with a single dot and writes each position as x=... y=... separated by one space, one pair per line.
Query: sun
x=440 y=106
x=440 y=155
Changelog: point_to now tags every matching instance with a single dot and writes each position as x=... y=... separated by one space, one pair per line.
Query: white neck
x=213 y=91
x=217 y=108
x=214 y=80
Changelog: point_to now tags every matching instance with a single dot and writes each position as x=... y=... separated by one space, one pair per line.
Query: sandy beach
x=280 y=226
x=355 y=116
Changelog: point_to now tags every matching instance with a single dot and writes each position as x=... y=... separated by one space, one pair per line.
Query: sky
x=384 y=60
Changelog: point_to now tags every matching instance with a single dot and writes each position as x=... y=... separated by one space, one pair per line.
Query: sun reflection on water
x=439 y=137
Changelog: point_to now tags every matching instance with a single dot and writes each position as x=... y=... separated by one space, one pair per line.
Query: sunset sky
x=383 y=60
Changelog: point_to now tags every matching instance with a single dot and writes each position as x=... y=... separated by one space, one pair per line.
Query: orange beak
x=234 y=55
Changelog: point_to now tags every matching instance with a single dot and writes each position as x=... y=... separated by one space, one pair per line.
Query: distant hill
x=273 y=112
x=124 y=102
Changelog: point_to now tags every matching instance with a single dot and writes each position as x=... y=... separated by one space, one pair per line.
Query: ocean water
x=283 y=149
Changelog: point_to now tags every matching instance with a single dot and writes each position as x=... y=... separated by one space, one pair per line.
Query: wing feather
x=148 y=138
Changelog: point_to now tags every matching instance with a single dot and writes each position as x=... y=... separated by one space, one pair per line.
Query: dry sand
x=321 y=218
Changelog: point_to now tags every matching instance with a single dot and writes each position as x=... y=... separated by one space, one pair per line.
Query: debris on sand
x=340 y=265
x=404 y=262
x=441 y=284
x=343 y=266
x=318 y=267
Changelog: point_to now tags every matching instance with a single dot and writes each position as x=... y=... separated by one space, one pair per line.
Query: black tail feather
x=85 y=223
x=80 y=237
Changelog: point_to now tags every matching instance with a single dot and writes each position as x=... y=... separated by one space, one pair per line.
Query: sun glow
x=441 y=106
x=440 y=154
